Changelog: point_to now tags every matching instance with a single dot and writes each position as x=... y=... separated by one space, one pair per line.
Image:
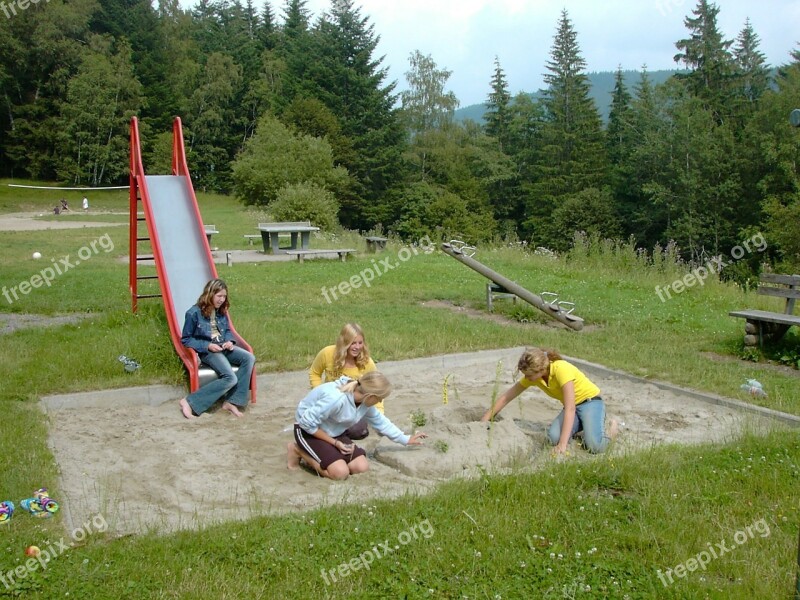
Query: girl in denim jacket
x=206 y=331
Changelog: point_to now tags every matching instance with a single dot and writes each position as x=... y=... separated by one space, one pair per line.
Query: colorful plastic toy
x=41 y=505
x=6 y=510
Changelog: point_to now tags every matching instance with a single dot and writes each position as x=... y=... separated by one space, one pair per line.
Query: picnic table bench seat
x=302 y=254
x=766 y=326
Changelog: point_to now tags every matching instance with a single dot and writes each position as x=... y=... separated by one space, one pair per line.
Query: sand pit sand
x=144 y=467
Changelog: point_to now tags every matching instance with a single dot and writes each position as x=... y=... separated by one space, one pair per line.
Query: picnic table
x=271 y=232
x=210 y=230
x=376 y=243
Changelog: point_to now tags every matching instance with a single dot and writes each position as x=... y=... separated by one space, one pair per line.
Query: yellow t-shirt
x=562 y=372
x=323 y=366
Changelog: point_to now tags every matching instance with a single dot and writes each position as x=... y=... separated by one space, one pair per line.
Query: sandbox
x=130 y=455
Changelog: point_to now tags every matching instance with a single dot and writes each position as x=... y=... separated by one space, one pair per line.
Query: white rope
x=83 y=189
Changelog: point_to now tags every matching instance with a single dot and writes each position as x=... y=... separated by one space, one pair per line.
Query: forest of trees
x=296 y=113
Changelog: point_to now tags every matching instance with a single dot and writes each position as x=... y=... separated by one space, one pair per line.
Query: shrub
x=306 y=202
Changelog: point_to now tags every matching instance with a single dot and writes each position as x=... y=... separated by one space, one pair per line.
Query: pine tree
x=572 y=156
x=267 y=28
x=751 y=66
x=498 y=114
x=294 y=50
x=618 y=130
x=707 y=56
x=344 y=74
x=620 y=145
x=752 y=83
x=642 y=218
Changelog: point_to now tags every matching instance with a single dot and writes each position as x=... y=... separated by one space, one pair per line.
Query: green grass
x=492 y=537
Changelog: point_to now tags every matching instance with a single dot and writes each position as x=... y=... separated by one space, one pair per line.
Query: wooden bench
x=302 y=254
x=768 y=326
x=375 y=243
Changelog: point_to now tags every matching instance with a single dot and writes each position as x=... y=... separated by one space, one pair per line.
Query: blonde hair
x=537 y=359
x=373 y=383
x=346 y=336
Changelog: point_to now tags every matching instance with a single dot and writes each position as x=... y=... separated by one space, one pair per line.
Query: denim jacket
x=197 y=330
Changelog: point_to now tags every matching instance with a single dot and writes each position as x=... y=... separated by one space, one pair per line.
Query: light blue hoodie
x=327 y=408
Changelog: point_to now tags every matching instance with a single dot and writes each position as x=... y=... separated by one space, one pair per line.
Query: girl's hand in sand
x=416 y=439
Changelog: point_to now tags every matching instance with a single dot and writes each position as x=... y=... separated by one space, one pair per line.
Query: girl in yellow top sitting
x=350 y=357
x=583 y=410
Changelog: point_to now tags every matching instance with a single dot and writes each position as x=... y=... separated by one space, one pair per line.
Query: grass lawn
x=594 y=528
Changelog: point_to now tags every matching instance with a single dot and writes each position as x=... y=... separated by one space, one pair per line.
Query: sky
x=464 y=36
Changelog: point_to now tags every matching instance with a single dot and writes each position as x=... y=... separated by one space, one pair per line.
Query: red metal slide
x=180 y=250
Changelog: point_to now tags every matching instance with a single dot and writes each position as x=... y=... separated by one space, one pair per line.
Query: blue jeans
x=590 y=416
x=236 y=384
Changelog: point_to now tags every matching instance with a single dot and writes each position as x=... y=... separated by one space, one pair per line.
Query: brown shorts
x=323 y=452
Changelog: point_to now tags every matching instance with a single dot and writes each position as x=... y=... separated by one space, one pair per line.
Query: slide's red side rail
x=180 y=167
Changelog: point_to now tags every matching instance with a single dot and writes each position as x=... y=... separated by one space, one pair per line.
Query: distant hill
x=602 y=86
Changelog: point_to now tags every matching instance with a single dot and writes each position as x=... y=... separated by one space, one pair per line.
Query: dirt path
x=28 y=221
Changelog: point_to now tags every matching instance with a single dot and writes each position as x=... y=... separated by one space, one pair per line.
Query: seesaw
x=552 y=307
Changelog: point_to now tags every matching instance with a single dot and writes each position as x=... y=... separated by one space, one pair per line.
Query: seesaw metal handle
x=462 y=247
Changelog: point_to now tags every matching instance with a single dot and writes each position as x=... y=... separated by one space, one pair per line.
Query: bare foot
x=292 y=457
x=232 y=408
x=613 y=429
x=186 y=409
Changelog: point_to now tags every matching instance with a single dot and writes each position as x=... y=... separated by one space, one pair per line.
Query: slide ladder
x=167 y=206
x=560 y=311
